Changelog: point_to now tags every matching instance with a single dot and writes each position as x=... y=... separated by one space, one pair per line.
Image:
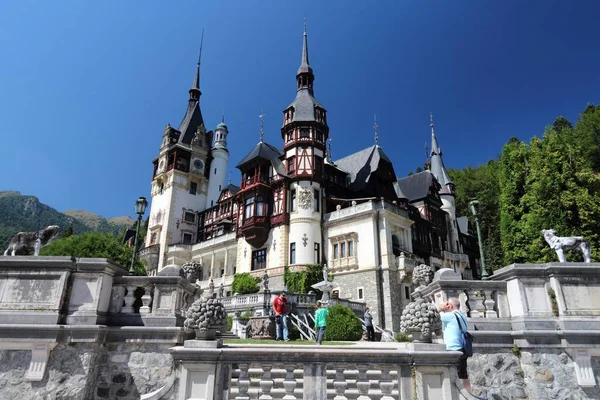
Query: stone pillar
x=226 y=263
x=315 y=381
x=212 y=265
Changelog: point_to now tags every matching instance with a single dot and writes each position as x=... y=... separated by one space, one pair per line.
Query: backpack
x=467 y=338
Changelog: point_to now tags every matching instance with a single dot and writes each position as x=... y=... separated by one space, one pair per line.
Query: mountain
x=21 y=213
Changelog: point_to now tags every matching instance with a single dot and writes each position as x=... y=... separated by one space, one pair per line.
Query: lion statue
x=559 y=244
x=37 y=240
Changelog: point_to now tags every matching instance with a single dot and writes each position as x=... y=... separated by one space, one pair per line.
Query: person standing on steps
x=280 y=307
x=321 y=315
x=368 y=318
x=451 y=318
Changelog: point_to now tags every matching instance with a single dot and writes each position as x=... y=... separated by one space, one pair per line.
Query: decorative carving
x=304 y=240
x=205 y=316
x=559 y=244
x=221 y=290
x=262 y=327
x=421 y=319
x=304 y=199
x=211 y=288
x=245 y=251
x=192 y=270
x=422 y=275
x=36 y=240
x=274 y=244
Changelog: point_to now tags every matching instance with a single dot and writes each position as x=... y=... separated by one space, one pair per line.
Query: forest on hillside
x=552 y=182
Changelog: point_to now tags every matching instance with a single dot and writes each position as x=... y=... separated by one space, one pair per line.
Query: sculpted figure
x=265 y=282
x=37 y=240
x=559 y=244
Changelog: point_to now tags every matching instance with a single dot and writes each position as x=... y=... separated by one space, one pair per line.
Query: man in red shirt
x=280 y=307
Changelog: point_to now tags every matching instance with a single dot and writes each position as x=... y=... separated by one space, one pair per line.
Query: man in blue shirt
x=451 y=317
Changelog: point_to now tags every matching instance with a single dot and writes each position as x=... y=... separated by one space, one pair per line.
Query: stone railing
x=214 y=241
x=150 y=300
x=284 y=372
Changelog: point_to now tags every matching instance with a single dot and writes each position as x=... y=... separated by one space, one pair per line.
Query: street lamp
x=140 y=209
x=474 y=204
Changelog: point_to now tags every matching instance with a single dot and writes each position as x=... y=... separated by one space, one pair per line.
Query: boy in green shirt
x=320 y=321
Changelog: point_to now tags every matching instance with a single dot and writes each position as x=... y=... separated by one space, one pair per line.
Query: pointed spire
x=437 y=163
x=223 y=118
x=328 y=158
x=195 y=92
x=375 y=129
x=262 y=126
x=305 y=75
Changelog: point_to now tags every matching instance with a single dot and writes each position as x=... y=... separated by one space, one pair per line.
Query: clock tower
x=179 y=183
x=305 y=134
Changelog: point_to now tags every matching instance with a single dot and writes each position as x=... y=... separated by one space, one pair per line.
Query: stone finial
x=421 y=319
x=205 y=316
x=422 y=275
x=192 y=270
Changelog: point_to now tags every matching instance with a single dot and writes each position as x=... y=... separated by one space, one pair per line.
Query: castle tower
x=218 y=165
x=447 y=193
x=179 y=183
x=305 y=134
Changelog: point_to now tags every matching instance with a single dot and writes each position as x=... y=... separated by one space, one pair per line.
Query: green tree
x=68 y=232
x=94 y=244
x=245 y=283
x=302 y=281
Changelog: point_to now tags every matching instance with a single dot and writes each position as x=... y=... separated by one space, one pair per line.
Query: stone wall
x=528 y=374
x=89 y=371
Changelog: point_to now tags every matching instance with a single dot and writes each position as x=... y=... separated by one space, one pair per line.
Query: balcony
x=256 y=230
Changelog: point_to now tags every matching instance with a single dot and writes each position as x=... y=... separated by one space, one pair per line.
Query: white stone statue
x=35 y=240
x=559 y=244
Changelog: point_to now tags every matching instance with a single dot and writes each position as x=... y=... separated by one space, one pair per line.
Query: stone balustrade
x=344 y=372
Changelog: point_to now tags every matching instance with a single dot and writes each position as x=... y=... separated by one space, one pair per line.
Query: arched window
x=395 y=245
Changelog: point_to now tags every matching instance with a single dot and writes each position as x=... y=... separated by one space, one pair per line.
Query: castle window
x=293 y=199
x=316 y=201
x=291 y=165
x=292 y=253
x=361 y=294
x=336 y=251
x=261 y=206
x=249 y=210
x=259 y=259
x=317 y=253
x=193 y=188
x=153 y=237
x=189 y=217
x=161 y=188
x=342 y=249
x=215 y=171
x=187 y=238
x=304 y=133
x=350 y=248
x=395 y=245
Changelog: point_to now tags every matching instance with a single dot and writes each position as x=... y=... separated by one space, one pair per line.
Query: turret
x=218 y=166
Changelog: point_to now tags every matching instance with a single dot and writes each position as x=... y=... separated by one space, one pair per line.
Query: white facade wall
x=218 y=175
x=305 y=223
x=359 y=228
x=448 y=205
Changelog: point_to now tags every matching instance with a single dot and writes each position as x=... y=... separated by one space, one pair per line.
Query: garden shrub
x=244 y=283
x=343 y=325
x=402 y=337
x=302 y=281
x=229 y=323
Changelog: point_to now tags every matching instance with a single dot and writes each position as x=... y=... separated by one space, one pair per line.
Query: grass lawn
x=294 y=342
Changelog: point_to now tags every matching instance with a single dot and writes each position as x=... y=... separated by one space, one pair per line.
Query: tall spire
x=375 y=129
x=195 y=92
x=305 y=75
x=437 y=163
x=262 y=126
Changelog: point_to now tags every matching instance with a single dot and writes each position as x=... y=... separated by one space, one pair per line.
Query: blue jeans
x=281 y=332
x=320 y=334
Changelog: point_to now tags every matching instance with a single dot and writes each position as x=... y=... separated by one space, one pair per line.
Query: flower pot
x=420 y=337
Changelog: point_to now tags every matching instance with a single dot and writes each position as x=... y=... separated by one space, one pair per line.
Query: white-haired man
x=454 y=323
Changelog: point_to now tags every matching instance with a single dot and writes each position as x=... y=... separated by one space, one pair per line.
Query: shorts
x=462 y=367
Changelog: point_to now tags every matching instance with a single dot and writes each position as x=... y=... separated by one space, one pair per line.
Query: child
x=321 y=321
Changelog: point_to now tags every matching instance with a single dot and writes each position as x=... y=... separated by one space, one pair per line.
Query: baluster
x=289 y=383
x=462 y=297
x=129 y=299
x=266 y=383
x=490 y=304
x=476 y=303
x=386 y=384
x=243 y=383
x=362 y=383
x=146 y=300
x=340 y=384
x=116 y=299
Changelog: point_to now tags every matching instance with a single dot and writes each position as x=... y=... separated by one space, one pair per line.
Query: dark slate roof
x=190 y=123
x=361 y=164
x=416 y=186
x=304 y=106
x=266 y=152
x=232 y=188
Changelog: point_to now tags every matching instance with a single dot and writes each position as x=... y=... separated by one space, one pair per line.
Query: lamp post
x=473 y=205
x=140 y=209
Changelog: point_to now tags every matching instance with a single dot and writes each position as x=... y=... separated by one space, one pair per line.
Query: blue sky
x=86 y=88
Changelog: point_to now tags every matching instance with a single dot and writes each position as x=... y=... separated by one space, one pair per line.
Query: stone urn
x=205 y=317
x=192 y=270
x=420 y=319
x=422 y=275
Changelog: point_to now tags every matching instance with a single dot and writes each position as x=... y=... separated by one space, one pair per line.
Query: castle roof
x=267 y=152
x=362 y=164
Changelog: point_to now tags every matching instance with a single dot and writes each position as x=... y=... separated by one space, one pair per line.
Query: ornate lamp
x=140 y=210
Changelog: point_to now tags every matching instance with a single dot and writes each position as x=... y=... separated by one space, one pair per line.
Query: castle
x=296 y=206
